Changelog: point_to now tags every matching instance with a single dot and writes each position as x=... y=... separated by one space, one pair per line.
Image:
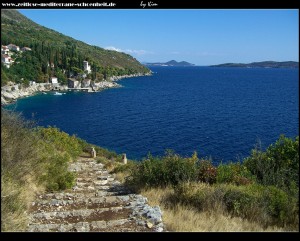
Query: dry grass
x=179 y=218
x=120 y=176
x=16 y=198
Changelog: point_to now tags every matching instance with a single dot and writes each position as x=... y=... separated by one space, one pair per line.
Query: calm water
x=219 y=112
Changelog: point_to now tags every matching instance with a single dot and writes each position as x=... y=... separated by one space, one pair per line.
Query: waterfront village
x=79 y=82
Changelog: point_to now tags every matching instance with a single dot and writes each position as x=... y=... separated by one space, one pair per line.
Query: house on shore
x=85 y=83
x=6 y=60
x=13 y=47
x=54 y=82
x=4 y=50
x=73 y=83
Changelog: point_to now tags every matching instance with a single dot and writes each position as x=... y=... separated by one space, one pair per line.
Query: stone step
x=119 y=225
x=88 y=203
x=81 y=215
x=97 y=203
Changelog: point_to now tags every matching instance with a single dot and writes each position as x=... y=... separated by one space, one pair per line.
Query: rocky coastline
x=11 y=92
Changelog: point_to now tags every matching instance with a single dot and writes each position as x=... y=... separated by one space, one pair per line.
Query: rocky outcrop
x=116 y=78
x=104 y=85
x=97 y=203
x=12 y=92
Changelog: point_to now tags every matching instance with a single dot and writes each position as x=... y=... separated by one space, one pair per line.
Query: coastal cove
x=218 y=112
x=12 y=92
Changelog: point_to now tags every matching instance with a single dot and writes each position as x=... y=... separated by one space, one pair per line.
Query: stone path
x=97 y=203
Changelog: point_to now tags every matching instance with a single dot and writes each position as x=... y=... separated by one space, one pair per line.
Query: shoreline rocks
x=10 y=93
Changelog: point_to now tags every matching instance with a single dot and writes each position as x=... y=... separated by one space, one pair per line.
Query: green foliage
x=124 y=168
x=61 y=140
x=57 y=176
x=106 y=153
x=264 y=188
x=66 y=53
x=278 y=165
x=235 y=173
x=207 y=172
x=264 y=204
x=30 y=157
x=168 y=170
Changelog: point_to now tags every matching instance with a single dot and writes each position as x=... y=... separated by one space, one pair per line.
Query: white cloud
x=114 y=49
x=130 y=51
x=137 y=52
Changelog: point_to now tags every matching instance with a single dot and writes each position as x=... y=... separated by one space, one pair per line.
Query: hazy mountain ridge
x=263 y=64
x=171 y=63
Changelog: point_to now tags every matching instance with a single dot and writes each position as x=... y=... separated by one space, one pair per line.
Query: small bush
x=200 y=195
x=101 y=159
x=266 y=205
x=124 y=168
x=207 y=172
x=62 y=141
x=105 y=153
x=278 y=165
x=282 y=208
x=57 y=176
x=168 y=170
x=234 y=173
x=238 y=201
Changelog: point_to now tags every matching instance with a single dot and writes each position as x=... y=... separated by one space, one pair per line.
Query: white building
x=53 y=80
x=4 y=50
x=6 y=60
x=13 y=47
x=86 y=66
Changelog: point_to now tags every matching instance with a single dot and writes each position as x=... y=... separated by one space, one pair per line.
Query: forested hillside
x=54 y=54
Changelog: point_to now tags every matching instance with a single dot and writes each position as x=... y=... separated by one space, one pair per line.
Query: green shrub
x=267 y=205
x=168 y=170
x=124 y=168
x=202 y=196
x=235 y=173
x=101 y=159
x=280 y=206
x=83 y=144
x=278 y=165
x=105 y=153
x=62 y=141
x=238 y=201
x=207 y=172
x=57 y=176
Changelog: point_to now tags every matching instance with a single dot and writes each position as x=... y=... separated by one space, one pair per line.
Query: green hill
x=67 y=54
x=171 y=63
x=264 y=64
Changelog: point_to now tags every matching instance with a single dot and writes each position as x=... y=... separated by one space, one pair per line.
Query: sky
x=201 y=37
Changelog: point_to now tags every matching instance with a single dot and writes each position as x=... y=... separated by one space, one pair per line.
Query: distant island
x=171 y=63
x=264 y=64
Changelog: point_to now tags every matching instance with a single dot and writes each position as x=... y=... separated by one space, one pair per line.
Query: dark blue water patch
x=218 y=112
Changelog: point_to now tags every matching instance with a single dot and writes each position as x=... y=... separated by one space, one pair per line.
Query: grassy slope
x=34 y=160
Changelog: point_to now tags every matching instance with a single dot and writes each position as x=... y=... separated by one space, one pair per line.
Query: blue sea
x=221 y=113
